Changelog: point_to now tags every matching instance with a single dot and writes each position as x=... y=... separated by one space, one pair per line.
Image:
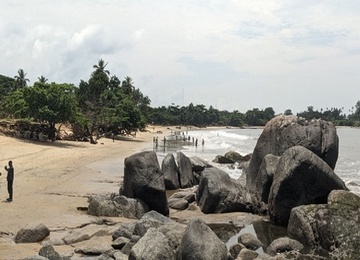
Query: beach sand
x=53 y=180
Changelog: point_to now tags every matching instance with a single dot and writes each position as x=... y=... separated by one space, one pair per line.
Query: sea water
x=243 y=141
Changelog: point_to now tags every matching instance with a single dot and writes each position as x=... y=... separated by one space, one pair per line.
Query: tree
x=100 y=67
x=14 y=105
x=21 y=80
x=51 y=103
x=42 y=79
x=105 y=105
x=288 y=112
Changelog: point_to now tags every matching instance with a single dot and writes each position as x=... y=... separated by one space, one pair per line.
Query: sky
x=229 y=54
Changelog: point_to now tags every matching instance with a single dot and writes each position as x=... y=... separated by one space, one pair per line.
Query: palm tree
x=100 y=67
x=128 y=85
x=20 y=79
x=42 y=79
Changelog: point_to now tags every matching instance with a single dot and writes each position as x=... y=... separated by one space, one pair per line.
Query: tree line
x=104 y=104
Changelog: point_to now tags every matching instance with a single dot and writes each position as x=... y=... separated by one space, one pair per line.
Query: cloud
x=233 y=54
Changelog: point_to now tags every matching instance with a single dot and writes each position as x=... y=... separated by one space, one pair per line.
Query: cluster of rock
x=289 y=177
x=155 y=236
x=28 y=130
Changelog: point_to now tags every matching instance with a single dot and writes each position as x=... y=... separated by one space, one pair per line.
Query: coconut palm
x=42 y=79
x=21 y=80
x=100 y=67
x=128 y=85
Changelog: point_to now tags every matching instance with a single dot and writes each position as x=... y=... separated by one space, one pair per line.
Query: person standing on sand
x=10 y=180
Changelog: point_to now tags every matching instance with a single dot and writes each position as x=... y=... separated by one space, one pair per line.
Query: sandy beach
x=52 y=180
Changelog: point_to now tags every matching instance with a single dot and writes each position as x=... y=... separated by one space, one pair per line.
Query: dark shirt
x=10 y=173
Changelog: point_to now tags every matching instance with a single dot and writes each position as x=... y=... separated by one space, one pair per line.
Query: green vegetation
x=105 y=105
x=102 y=105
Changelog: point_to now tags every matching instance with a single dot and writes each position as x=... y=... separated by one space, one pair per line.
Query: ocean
x=243 y=141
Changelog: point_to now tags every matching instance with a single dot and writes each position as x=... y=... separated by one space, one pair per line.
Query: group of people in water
x=182 y=137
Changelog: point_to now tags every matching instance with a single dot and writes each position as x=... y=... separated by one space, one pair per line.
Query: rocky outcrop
x=283 y=132
x=144 y=180
x=171 y=172
x=187 y=179
x=34 y=232
x=218 y=193
x=334 y=227
x=301 y=178
x=200 y=242
x=116 y=206
x=198 y=164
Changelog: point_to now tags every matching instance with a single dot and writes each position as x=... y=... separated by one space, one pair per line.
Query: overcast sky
x=231 y=54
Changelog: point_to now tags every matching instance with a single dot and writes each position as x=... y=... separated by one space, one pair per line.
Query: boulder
x=283 y=132
x=151 y=219
x=187 y=179
x=50 y=253
x=152 y=246
x=249 y=241
x=218 y=193
x=265 y=176
x=284 y=244
x=198 y=164
x=247 y=254
x=334 y=227
x=200 y=242
x=87 y=232
x=34 y=232
x=144 y=180
x=178 y=203
x=95 y=246
x=188 y=195
x=301 y=178
x=120 y=242
x=234 y=250
x=234 y=156
x=116 y=206
x=171 y=173
x=221 y=159
x=181 y=200
x=125 y=230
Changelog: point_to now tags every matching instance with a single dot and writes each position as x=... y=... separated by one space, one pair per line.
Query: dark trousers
x=10 y=188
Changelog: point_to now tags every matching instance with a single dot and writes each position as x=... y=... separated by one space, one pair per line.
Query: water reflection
x=265 y=231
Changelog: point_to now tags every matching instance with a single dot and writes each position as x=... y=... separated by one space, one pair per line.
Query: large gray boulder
x=218 y=193
x=334 y=227
x=111 y=205
x=283 y=132
x=201 y=243
x=171 y=172
x=33 y=232
x=187 y=179
x=301 y=178
x=152 y=246
x=143 y=179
